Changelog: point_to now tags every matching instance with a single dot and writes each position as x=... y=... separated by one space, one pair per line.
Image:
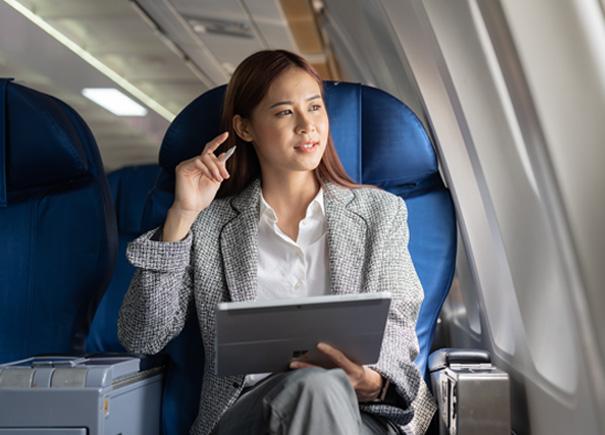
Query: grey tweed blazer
x=217 y=261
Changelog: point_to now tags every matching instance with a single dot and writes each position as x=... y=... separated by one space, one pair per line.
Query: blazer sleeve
x=400 y=344
x=155 y=306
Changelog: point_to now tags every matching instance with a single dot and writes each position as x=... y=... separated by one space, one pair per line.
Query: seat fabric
x=129 y=187
x=57 y=225
x=180 y=394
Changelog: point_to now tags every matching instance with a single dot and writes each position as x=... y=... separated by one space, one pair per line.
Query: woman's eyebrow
x=285 y=102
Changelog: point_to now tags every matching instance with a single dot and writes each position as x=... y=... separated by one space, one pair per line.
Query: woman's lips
x=307 y=147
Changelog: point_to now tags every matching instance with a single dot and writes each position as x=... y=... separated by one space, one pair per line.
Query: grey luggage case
x=473 y=395
x=90 y=395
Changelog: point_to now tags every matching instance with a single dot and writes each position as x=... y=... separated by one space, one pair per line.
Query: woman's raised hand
x=197 y=183
x=199 y=179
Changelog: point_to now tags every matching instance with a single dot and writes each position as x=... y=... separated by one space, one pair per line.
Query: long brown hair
x=248 y=85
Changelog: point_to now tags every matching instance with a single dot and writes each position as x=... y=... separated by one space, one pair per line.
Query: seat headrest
x=41 y=143
x=195 y=125
x=386 y=146
x=392 y=147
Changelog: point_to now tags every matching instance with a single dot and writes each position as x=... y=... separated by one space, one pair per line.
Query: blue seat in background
x=129 y=187
x=380 y=141
x=57 y=225
x=180 y=395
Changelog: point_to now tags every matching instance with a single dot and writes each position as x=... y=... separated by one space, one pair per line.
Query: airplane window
x=530 y=291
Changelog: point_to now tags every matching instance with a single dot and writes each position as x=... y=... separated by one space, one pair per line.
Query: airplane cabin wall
x=522 y=160
x=367 y=50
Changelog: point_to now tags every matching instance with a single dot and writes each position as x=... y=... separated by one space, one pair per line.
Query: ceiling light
x=114 y=101
x=92 y=60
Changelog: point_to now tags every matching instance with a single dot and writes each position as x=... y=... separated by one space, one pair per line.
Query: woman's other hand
x=197 y=182
x=366 y=382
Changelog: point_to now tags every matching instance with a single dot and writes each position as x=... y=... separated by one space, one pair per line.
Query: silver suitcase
x=473 y=395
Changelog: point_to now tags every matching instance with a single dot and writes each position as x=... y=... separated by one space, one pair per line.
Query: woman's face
x=289 y=127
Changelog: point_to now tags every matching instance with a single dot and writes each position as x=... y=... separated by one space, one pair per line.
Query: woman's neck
x=290 y=195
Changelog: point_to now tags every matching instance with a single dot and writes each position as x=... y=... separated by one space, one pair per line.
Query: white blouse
x=289 y=268
x=292 y=268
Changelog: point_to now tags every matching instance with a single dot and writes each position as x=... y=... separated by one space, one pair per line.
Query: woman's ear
x=242 y=128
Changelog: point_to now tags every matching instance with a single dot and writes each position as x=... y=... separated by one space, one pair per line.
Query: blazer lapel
x=239 y=245
x=346 y=239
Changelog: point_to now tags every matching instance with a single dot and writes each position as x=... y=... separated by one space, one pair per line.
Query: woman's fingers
x=301 y=365
x=202 y=167
x=215 y=143
x=220 y=165
x=356 y=373
x=211 y=167
x=360 y=378
x=216 y=165
x=210 y=162
x=334 y=354
x=338 y=358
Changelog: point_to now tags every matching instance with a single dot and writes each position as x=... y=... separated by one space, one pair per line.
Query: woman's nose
x=305 y=125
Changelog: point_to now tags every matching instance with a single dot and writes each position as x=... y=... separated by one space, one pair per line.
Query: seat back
x=57 y=225
x=180 y=395
x=380 y=141
x=129 y=187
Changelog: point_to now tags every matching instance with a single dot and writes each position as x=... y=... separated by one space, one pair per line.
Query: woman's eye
x=284 y=113
x=315 y=107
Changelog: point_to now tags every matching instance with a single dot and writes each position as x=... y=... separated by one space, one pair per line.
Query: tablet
x=264 y=336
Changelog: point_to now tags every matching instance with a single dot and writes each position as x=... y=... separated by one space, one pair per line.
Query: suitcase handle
x=444 y=357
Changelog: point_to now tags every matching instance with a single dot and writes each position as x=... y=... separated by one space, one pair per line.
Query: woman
x=279 y=219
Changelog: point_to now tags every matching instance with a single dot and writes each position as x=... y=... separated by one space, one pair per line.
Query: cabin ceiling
x=168 y=52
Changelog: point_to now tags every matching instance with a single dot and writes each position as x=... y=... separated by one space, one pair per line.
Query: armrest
x=146 y=362
x=473 y=395
x=66 y=391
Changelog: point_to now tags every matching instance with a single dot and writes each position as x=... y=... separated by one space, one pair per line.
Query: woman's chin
x=305 y=164
x=310 y=167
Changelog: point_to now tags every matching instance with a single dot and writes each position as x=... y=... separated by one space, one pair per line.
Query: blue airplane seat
x=58 y=228
x=380 y=141
x=129 y=187
x=180 y=395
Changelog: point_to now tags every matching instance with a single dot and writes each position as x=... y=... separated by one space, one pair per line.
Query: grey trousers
x=304 y=401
